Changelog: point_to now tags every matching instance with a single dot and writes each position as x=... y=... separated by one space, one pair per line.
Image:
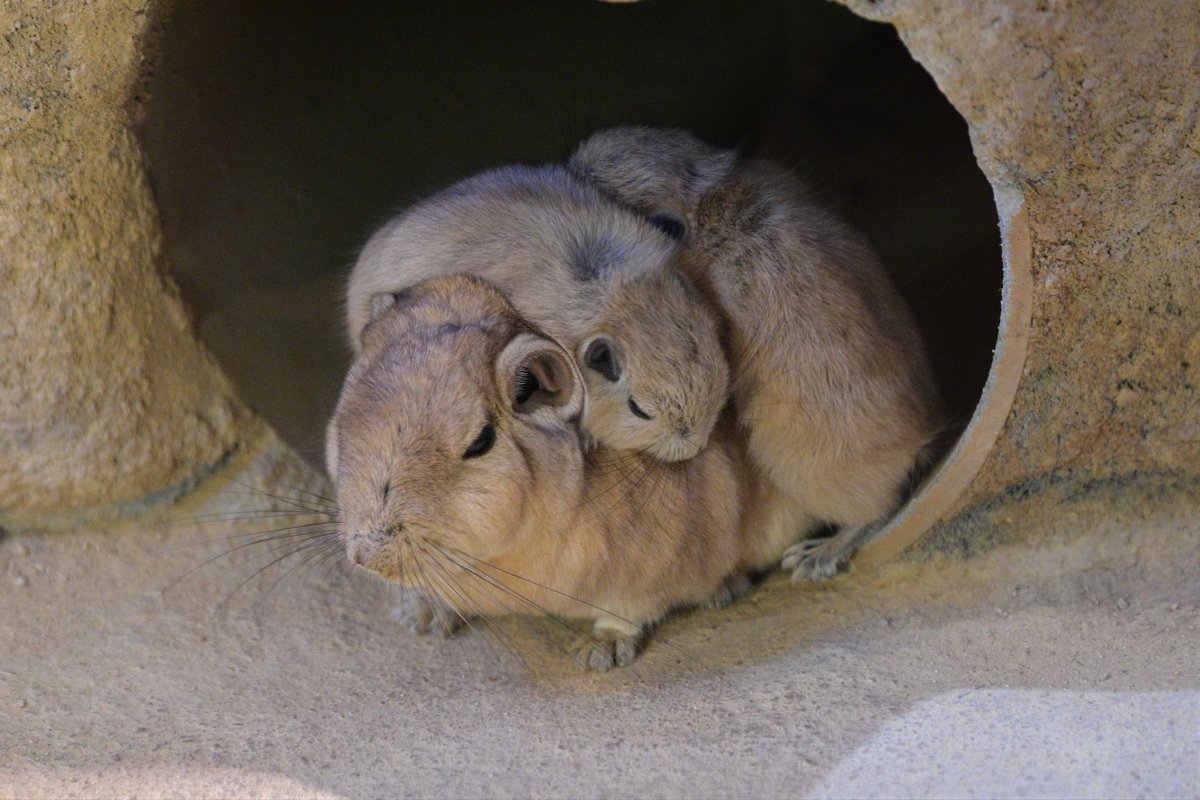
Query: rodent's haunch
x=591 y=274
x=457 y=455
x=828 y=372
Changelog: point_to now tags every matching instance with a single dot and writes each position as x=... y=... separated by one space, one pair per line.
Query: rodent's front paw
x=603 y=654
x=814 y=559
x=612 y=643
x=424 y=615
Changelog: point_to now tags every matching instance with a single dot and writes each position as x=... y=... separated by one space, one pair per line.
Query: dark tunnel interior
x=279 y=134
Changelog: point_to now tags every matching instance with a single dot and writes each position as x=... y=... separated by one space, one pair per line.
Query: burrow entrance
x=278 y=135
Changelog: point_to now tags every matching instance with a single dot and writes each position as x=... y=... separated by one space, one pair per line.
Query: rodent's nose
x=356 y=551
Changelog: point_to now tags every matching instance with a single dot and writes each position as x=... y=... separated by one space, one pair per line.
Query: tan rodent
x=594 y=276
x=828 y=371
x=457 y=455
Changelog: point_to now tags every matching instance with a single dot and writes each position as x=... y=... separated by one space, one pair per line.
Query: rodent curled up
x=458 y=458
x=591 y=274
x=828 y=372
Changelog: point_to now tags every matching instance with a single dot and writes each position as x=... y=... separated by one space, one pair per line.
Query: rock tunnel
x=183 y=186
x=200 y=194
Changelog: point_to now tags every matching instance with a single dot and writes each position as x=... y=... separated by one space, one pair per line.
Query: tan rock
x=105 y=394
x=1084 y=116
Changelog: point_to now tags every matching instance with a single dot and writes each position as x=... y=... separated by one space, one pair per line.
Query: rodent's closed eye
x=483 y=442
x=637 y=410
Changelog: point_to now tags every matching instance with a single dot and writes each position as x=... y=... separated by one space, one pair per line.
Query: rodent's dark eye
x=637 y=410
x=600 y=357
x=669 y=224
x=483 y=442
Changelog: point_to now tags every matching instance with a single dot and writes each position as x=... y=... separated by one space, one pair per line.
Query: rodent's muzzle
x=362 y=548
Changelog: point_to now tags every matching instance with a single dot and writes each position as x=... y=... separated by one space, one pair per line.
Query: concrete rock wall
x=1087 y=111
x=1091 y=112
x=105 y=394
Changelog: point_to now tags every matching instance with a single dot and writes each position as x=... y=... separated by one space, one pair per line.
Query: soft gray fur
x=828 y=372
x=579 y=267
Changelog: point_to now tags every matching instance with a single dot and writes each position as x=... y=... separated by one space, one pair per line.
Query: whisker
x=223 y=605
x=492 y=627
x=260 y=495
x=535 y=583
x=292 y=501
x=273 y=536
x=331 y=553
x=528 y=601
x=238 y=516
x=318 y=548
x=267 y=534
x=498 y=591
x=642 y=627
x=447 y=581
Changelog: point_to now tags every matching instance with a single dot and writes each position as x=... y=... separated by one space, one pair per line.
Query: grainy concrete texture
x=1086 y=111
x=1067 y=669
x=105 y=394
x=1089 y=111
x=1058 y=660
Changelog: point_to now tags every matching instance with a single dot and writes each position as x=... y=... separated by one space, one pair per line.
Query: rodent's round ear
x=600 y=354
x=381 y=302
x=537 y=377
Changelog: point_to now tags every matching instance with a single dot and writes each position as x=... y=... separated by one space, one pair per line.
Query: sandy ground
x=129 y=667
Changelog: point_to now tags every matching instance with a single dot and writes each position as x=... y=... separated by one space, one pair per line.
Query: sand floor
x=128 y=669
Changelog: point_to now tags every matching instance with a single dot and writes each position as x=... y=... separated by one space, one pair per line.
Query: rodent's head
x=656 y=374
x=456 y=431
x=661 y=173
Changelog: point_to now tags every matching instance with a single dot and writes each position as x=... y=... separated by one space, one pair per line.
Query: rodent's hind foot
x=736 y=587
x=612 y=643
x=818 y=559
x=815 y=559
x=421 y=614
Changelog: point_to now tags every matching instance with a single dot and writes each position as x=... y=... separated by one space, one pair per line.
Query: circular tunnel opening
x=279 y=135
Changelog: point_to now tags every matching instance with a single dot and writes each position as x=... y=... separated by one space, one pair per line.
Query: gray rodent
x=828 y=371
x=594 y=276
x=458 y=459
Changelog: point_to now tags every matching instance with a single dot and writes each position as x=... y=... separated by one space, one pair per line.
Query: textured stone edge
x=258 y=438
x=938 y=497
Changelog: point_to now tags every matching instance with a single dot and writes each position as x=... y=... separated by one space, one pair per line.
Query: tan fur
x=578 y=266
x=828 y=370
x=615 y=538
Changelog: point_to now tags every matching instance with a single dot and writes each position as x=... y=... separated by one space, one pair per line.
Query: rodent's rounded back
x=576 y=265
x=661 y=173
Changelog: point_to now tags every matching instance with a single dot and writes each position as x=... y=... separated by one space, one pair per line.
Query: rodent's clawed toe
x=422 y=615
x=606 y=648
x=735 y=588
x=814 y=559
x=601 y=655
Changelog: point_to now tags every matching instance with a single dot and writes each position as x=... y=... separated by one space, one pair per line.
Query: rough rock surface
x=189 y=667
x=1086 y=110
x=1061 y=670
x=1090 y=111
x=105 y=394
